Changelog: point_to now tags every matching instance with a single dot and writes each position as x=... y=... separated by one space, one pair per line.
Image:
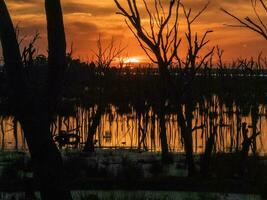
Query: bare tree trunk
x=46 y=158
x=165 y=52
x=238 y=129
x=163 y=136
x=165 y=78
x=153 y=131
x=188 y=143
x=186 y=133
x=12 y=59
x=56 y=51
x=139 y=130
x=205 y=162
x=57 y=66
x=255 y=119
x=188 y=137
x=3 y=134
x=185 y=122
x=33 y=111
x=247 y=142
x=144 y=130
x=89 y=145
x=15 y=131
x=245 y=149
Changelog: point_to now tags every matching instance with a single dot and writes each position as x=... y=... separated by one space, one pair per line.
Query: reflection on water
x=140 y=129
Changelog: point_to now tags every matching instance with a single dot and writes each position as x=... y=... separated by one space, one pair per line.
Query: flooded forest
x=227 y=105
x=185 y=124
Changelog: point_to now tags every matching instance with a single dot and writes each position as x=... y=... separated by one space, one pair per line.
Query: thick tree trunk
x=45 y=156
x=153 y=131
x=12 y=59
x=186 y=132
x=90 y=145
x=205 y=162
x=247 y=142
x=185 y=122
x=188 y=145
x=165 y=78
x=163 y=137
x=29 y=108
x=56 y=52
x=188 y=136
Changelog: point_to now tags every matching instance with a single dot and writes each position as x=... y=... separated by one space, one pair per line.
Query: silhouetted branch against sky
x=105 y=55
x=257 y=25
x=161 y=38
x=84 y=20
x=195 y=44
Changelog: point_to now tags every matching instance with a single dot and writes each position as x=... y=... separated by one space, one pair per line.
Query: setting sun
x=85 y=20
x=132 y=60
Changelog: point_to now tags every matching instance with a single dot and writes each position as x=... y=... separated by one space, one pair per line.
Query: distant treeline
x=136 y=86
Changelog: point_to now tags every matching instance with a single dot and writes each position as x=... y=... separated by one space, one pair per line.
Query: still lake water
x=140 y=129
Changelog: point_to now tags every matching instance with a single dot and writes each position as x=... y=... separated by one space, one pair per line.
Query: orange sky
x=85 y=19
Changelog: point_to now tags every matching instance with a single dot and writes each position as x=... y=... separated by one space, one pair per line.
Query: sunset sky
x=86 y=19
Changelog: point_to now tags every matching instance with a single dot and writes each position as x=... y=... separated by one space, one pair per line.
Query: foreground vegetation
x=142 y=195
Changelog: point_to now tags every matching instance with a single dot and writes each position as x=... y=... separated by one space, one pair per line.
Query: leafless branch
x=106 y=55
x=160 y=40
x=257 y=25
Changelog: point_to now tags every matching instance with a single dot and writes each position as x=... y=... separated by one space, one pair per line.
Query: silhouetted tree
x=105 y=55
x=160 y=41
x=192 y=64
x=12 y=59
x=257 y=25
x=34 y=108
x=56 y=50
x=160 y=44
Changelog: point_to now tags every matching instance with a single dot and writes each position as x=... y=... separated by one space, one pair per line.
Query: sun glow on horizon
x=132 y=60
x=85 y=20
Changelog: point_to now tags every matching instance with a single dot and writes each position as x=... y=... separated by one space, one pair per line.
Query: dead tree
x=105 y=55
x=12 y=59
x=160 y=41
x=34 y=109
x=193 y=62
x=56 y=50
x=255 y=23
x=246 y=144
x=29 y=51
